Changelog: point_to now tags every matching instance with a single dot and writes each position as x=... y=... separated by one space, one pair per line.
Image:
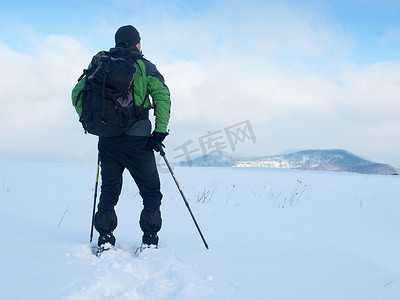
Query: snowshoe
x=145 y=247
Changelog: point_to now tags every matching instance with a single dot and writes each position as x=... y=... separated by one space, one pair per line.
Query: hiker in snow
x=133 y=148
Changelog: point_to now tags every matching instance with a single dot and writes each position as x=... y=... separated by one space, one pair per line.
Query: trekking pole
x=162 y=153
x=95 y=197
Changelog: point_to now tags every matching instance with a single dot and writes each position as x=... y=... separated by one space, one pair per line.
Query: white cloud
x=284 y=67
x=36 y=87
x=287 y=69
x=371 y=93
x=341 y=109
x=391 y=35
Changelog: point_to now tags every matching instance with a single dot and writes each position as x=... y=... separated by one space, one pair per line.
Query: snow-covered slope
x=273 y=234
x=327 y=160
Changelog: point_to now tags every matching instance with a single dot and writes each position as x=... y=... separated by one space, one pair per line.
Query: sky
x=250 y=78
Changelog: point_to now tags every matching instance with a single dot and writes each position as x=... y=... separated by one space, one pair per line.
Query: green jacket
x=148 y=81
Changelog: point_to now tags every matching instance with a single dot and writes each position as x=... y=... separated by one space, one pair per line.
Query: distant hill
x=328 y=160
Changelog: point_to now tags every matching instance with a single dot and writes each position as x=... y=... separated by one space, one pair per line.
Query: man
x=134 y=149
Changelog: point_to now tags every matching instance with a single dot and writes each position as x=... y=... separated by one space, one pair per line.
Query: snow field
x=273 y=234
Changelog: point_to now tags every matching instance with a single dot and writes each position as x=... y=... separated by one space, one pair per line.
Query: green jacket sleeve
x=77 y=103
x=161 y=97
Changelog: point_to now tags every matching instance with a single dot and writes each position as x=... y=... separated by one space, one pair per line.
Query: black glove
x=156 y=140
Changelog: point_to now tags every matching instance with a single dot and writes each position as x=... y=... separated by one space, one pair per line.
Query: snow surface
x=273 y=234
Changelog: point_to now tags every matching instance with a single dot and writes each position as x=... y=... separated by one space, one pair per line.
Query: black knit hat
x=127 y=36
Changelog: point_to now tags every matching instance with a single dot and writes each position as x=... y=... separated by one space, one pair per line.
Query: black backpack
x=108 y=107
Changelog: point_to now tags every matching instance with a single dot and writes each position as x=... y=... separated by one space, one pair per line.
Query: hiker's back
x=105 y=101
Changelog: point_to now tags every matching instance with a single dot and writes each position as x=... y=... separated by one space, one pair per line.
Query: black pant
x=132 y=153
